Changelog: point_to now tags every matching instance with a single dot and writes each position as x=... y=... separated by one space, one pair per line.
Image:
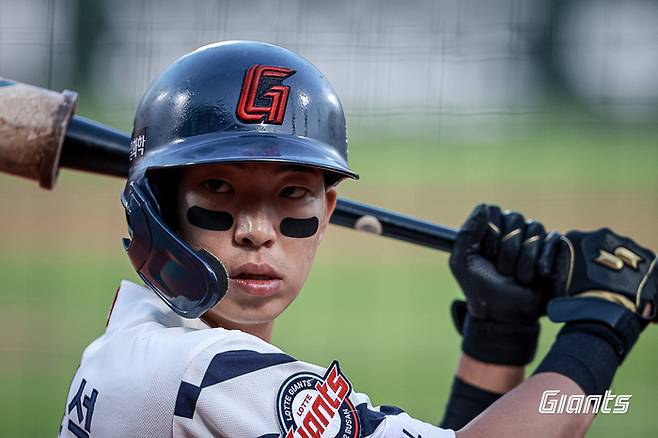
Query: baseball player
x=236 y=153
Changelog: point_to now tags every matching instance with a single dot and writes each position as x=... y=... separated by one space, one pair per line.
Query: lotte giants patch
x=313 y=406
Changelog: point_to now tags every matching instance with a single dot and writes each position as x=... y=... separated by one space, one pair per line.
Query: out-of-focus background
x=550 y=108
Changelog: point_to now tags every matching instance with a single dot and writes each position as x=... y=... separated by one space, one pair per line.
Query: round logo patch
x=313 y=406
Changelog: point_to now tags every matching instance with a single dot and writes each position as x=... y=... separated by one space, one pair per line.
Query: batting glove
x=605 y=278
x=503 y=264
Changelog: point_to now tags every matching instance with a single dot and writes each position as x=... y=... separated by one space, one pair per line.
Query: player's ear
x=330 y=205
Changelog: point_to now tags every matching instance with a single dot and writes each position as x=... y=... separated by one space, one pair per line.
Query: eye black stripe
x=299 y=228
x=208 y=219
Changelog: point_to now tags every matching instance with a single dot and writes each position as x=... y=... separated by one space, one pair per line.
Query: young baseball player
x=236 y=153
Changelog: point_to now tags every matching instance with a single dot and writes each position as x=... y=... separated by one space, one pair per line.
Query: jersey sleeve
x=244 y=387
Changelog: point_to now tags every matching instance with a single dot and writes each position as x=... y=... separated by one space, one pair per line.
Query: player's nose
x=254 y=229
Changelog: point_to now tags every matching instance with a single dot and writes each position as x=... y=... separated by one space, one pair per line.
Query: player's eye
x=294 y=192
x=217 y=186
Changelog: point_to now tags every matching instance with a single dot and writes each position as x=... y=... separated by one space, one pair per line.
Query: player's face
x=264 y=221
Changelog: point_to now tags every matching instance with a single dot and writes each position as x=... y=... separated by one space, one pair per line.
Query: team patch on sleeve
x=313 y=406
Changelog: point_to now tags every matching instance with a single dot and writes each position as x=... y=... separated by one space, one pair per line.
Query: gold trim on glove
x=622 y=256
x=494 y=227
x=610 y=296
x=644 y=281
x=572 y=253
x=511 y=234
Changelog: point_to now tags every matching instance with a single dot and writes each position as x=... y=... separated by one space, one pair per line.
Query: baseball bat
x=93 y=147
x=39 y=134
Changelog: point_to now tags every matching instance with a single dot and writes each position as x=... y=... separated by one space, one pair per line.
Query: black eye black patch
x=208 y=219
x=299 y=228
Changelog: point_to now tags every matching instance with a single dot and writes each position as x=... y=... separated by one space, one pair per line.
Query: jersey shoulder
x=234 y=359
x=133 y=371
x=243 y=386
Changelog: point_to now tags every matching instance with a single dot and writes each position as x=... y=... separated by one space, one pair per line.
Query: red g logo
x=263 y=96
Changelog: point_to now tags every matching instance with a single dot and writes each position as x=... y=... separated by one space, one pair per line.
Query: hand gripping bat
x=39 y=133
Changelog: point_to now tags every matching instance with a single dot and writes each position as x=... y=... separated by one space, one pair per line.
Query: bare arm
x=518 y=410
x=492 y=377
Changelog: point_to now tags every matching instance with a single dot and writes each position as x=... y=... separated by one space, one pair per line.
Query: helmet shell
x=240 y=101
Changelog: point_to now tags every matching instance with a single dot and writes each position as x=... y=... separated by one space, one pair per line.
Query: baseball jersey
x=156 y=374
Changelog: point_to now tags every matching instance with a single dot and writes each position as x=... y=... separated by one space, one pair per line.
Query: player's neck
x=263 y=330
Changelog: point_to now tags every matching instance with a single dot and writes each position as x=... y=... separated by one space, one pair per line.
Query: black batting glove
x=503 y=264
x=605 y=281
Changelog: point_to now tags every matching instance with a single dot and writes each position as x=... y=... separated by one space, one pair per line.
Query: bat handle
x=94 y=147
x=387 y=223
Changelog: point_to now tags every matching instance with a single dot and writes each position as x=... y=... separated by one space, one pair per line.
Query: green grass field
x=379 y=306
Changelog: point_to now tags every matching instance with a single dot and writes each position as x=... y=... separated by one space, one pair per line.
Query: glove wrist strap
x=495 y=342
x=608 y=320
x=500 y=343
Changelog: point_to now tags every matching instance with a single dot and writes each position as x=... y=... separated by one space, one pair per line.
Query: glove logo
x=263 y=98
x=621 y=256
x=309 y=406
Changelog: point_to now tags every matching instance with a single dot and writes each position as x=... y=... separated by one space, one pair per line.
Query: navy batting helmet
x=228 y=102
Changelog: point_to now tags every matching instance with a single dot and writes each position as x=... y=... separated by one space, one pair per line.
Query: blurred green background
x=377 y=305
x=492 y=118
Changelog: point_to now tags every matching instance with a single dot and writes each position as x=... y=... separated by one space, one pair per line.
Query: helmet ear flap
x=188 y=281
x=213 y=261
x=138 y=249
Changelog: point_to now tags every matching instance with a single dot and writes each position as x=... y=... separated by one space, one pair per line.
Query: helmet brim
x=245 y=147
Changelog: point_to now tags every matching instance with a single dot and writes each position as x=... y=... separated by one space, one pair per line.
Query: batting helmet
x=228 y=102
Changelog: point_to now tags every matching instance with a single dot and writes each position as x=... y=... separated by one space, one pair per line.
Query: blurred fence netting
x=435 y=64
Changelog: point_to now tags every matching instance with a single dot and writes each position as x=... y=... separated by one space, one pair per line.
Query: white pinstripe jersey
x=155 y=374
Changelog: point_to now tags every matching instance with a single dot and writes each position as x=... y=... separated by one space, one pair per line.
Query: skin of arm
x=492 y=377
x=517 y=412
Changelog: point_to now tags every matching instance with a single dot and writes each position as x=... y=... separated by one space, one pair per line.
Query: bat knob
x=33 y=122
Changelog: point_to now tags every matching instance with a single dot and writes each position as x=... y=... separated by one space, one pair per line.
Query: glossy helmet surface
x=229 y=102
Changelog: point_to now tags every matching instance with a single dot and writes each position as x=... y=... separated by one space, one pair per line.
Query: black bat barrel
x=387 y=223
x=93 y=147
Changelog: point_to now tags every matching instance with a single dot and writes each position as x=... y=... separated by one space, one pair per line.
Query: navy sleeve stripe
x=186 y=399
x=370 y=420
x=390 y=410
x=225 y=366
x=231 y=364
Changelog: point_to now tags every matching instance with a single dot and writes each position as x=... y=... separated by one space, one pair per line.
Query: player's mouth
x=257 y=279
